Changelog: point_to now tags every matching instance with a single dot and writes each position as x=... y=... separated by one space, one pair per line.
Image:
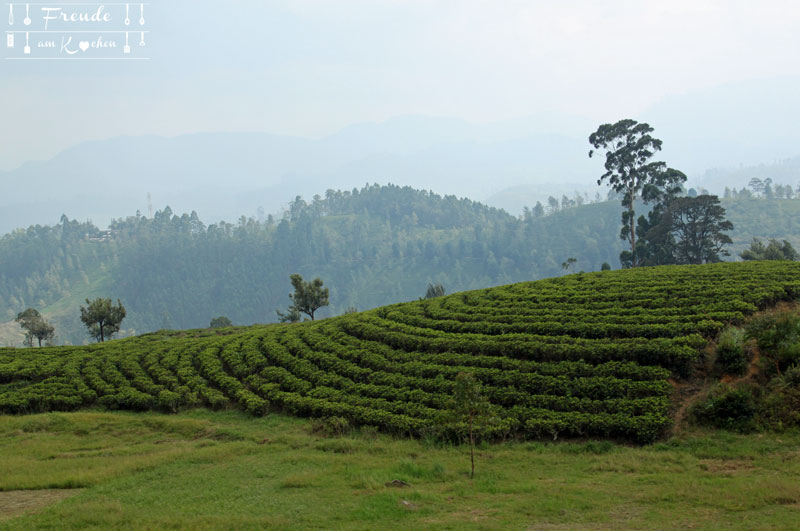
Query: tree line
x=372 y=246
x=101 y=317
x=763 y=188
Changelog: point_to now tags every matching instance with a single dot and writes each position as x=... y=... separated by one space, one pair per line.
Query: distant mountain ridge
x=225 y=175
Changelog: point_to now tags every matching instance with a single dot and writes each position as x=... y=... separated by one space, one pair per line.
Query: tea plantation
x=587 y=354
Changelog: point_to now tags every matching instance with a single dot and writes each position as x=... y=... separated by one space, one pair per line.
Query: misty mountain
x=782 y=172
x=506 y=164
x=745 y=123
x=227 y=174
x=722 y=136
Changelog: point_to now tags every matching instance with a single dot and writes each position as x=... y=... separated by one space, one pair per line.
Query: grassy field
x=600 y=355
x=202 y=469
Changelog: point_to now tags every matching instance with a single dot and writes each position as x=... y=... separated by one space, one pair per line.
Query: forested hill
x=374 y=246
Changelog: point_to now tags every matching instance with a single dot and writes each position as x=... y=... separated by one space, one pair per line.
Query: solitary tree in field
x=35 y=326
x=308 y=297
x=470 y=411
x=629 y=147
x=102 y=318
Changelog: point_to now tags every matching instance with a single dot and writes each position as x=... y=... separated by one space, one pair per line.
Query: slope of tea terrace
x=580 y=355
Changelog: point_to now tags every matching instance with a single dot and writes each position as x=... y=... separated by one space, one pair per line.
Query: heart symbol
x=83 y=45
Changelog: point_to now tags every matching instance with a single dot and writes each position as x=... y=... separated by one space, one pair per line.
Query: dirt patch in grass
x=564 y=527
x=727 y=466
x=15 y=503
x=479 y=516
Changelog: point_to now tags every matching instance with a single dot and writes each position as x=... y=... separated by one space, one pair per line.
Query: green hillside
x=581 y=355
x=372 y=247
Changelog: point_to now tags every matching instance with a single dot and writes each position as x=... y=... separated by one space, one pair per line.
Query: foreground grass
x=203 y=469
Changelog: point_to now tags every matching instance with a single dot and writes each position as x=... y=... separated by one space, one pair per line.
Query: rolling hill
x=587 y=354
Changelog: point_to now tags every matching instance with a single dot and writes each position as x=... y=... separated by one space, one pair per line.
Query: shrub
x=780 y=407
x=778 y=339
x=732 y=357
x=792 y=376
x=730 y=408
x=169 y=401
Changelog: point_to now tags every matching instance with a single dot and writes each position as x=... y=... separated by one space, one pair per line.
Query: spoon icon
x=127 y=16
x=27 y=20
x=10 y=14
x=141 y=18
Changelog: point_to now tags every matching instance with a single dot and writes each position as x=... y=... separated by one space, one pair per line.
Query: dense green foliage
x=769 y=397
x=374 y=246
x=732 y=356
x=730 y=408
x=778 y=338
x=685 y=230
x=582 y=355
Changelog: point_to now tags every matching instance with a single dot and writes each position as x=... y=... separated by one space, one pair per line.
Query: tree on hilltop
x=220 y=322
x=691 y=230
x=434 y=290
x=630 y=173
x=102 y=318
x=307 y=298
x=35 y=326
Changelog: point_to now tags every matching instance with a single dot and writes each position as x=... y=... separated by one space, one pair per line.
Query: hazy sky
x=309 y=67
